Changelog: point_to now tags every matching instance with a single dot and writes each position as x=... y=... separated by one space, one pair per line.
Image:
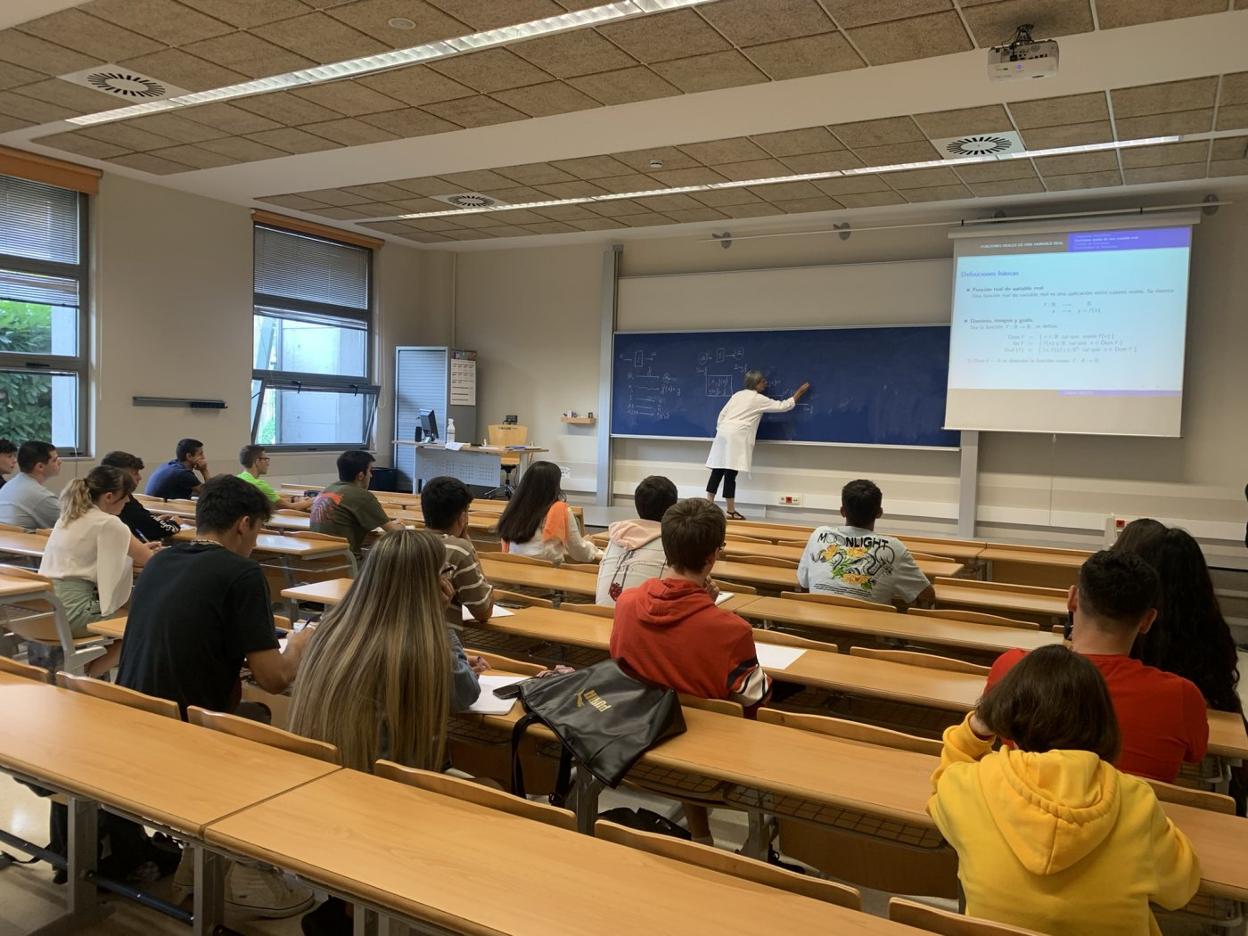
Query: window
x=311 y=365
x=43 y=293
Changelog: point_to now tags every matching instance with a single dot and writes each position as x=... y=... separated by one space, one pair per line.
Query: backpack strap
x=517 y=735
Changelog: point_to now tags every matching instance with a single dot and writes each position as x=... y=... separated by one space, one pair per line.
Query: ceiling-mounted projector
x=1023 y=57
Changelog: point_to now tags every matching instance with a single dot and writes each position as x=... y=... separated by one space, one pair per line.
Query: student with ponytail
x=88 y=554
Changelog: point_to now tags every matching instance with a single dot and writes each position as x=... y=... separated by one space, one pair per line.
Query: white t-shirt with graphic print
x=858 y=563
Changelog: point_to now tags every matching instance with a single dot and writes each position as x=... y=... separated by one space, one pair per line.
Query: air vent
x=124 y=83
x=980 y=144
x=468 y=200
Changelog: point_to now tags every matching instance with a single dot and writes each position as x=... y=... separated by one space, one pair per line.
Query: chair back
x=772 y=561
x=742 y=538
x=521 y=560
x=597 y=610
x=850 y=731
x=263 y=734
x=841 y=600
x=931 y=557
x=975 y=617
x=502 y=435
x=590 y=567
x=1187 y=796
x=23 y=670
x=735 y=588
x=111 y=692
x=42 y=620
x=11 y=528
x=725 y=862
x=1001 y=587
x=476 y=793
x=918 y=658
x=947 y=923
x=520 y=600
x=506 y=664
x=780 y=638
x=718 y=706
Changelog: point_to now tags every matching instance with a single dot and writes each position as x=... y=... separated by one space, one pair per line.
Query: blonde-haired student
x=1049 y=835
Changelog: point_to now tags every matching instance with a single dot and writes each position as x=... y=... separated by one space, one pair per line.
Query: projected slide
x=1078 y=332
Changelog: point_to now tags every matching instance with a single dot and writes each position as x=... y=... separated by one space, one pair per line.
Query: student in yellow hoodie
x=1049 y=835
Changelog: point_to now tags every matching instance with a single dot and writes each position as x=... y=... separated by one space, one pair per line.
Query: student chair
x=262 y=734
x=506 y=664
x=1187 y=796
x=918 y=658
x=770 y=561
x=23 y=670
x=110 y=692
x=976 y=617
x=780 y=638
x=510 y=599
x=597 y=610
x=501 y=436
x=590 y=567
x=856 y=732
x=931 y=557
x=42 y=621
x=521 y=560
x=841 y=600
x=476 y=793
x=715 y=859
x=11 y=528
x=947 y=923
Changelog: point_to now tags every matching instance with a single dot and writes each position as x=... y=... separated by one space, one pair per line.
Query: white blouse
x=94 y=548
x=737 y=428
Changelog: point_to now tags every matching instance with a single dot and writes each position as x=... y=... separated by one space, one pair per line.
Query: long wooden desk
x=1034 y=565
x=278 y=545
x=27 y=545
x=779 y=579
x=569 y=581
x=14 y=589
x=424 y=857
x=952 y=594
x=932 y=632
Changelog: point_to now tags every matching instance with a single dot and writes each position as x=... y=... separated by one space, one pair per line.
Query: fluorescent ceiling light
x=370 y=64
x=796 y=177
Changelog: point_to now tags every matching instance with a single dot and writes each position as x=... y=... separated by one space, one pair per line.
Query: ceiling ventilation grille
x=468 y=200
x=124 y=83
x=980 y=144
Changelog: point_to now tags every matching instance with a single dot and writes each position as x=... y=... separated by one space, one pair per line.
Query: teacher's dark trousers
x=728 y=476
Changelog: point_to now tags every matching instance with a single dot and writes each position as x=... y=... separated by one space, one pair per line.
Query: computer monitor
x=428 y=425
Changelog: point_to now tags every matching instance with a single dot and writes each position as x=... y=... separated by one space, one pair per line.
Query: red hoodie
x=671 y=633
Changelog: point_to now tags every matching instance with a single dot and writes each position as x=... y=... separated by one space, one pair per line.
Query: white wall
x=533 y=314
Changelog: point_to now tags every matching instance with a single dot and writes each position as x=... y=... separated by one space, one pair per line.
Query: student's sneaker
x=255 y=892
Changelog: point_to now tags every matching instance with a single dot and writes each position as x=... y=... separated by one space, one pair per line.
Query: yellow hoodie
x=1058 y=842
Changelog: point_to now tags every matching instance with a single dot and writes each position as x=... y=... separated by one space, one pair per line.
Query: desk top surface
x=161 y=768
x=473 y=449
x=998 y=601
x=500 y=571
x=280 y=545
x=426 y=856
x=16 y=586
x=328 y=591
x=22 y=544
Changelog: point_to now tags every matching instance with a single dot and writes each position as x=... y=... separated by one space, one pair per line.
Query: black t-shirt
x=143 y=524
x=197 y=611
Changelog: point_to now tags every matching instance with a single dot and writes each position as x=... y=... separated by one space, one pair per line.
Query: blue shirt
x=172 y=481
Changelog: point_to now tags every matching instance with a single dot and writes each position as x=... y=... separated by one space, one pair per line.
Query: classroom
x=542 y=466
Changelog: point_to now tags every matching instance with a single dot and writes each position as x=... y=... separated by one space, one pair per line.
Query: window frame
x=325 y=383
x=56 y=365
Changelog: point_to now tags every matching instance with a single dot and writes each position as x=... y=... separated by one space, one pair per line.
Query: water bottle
x=450 y=430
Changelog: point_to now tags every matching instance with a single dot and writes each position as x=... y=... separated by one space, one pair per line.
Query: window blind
x=40 y=221
x=293 y=266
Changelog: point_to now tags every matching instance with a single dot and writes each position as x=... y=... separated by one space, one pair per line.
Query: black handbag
x=605 y=717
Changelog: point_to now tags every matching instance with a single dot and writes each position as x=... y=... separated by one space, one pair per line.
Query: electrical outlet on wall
x=1114 y=525
x=789 y=500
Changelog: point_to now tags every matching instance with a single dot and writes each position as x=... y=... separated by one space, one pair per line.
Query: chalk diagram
x=649 y=394
x=722 y=370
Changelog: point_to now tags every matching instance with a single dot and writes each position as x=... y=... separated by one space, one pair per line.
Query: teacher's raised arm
x=735 y=431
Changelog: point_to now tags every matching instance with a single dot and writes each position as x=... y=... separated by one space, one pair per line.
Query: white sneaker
x=184 y=877
x=267 y=894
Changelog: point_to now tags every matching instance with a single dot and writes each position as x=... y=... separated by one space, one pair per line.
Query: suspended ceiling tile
x=38 y=55
x=665 y=36
x=176 y=128
x=479 y=111
x=1164 y=98
x=798 y=142
x=1008 y=187
x=513 y=195
x=1138 y=128
x=850 y=13
x=615 y=209
x=1097 y=131
x=350 y=132
x=293 y=140
x=914 y=38
x=567 y=55
x=1076 y=163
x=416 y=85
x=128 y=138
x=852 y=185
x=418 y=205
x=550 y=227
x=511 y=230
x=578 y=188
x=786 y=191
x=894 y=153
x=666 y=204
x=678 y=177
x=809 y=55
x=242 y=149
x=248 y=54
x=90 y=35
x=543 y=100
x=803 y=205
x=753 y=22
x=490 y=70
x=379 y=209
x=468 y=235
x=340 y=214
x=994 y=23
x=592 y=167
x=185 y=70
x=348 y=98
x=823 y=162
x=1232 y=117
x=535 y=174
x=965 y=121
x=166 y=21
x=1234 y=89
x=286 y=108
x=320 y=37
x=565 y=213
x=516 y=216
x=710 y=72
x=719 y=198
x=82 y=145
x=475 y=180
x=649 y=219
x=1112 y=14
x=669 y=156
x=1087 y=180
x=146 y=162
x=1168 y=154
x=409 y=122
x=624 y=86
x=8 y=123
x=1228 y=167
x=730 y=150
x=688 y=215
x=12 y=76
x=389 y=227
x=937 y=193
x=1231 y=148
x=247 y=13
x=1001 y=171
x=373 y=192
x=1174 y=173
x=34 y=111
x=878 y=132
x=596 y=224
x=752 y=169
x=230 y=119
x=1054 y=111
x=871 y=199
x=293 y=202
x=759 y=209
x=73 y=97
x=371 y=17
x=196 y=157
x=633 y=182
x=490 y=14
x=921 y=178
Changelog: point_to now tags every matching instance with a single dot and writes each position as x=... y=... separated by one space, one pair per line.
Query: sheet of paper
x=499 y=611
x=454 y=446
x=463 y=382
x=724 y=596
x=489 y=704
x=772 y=656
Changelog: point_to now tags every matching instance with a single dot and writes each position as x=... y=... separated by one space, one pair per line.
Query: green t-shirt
x=264 y=486
x=345 y=510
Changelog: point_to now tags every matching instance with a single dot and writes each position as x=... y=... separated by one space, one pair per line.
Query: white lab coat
x=737 y=427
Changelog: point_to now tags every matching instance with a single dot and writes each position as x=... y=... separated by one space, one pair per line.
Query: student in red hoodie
x=669 y=631
x=1162 y=716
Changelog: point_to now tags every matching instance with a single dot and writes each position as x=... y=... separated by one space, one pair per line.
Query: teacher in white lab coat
x=735 y=431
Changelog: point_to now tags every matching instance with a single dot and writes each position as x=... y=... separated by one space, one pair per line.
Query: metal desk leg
x=587 y=789
x=83 y=848
x=209 y=906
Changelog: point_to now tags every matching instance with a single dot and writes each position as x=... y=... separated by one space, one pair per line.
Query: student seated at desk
x=8 y=459
x=347 y=508
x=1049 y=835
x=142 y=523
x=854 y=561
x=669 y=630
x=444 y=503
x=89 y=557
x=1162 y=717
x=177 y=479
x=538 y=522
x=635 y=547
x=25 y=501
x=255 y=462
